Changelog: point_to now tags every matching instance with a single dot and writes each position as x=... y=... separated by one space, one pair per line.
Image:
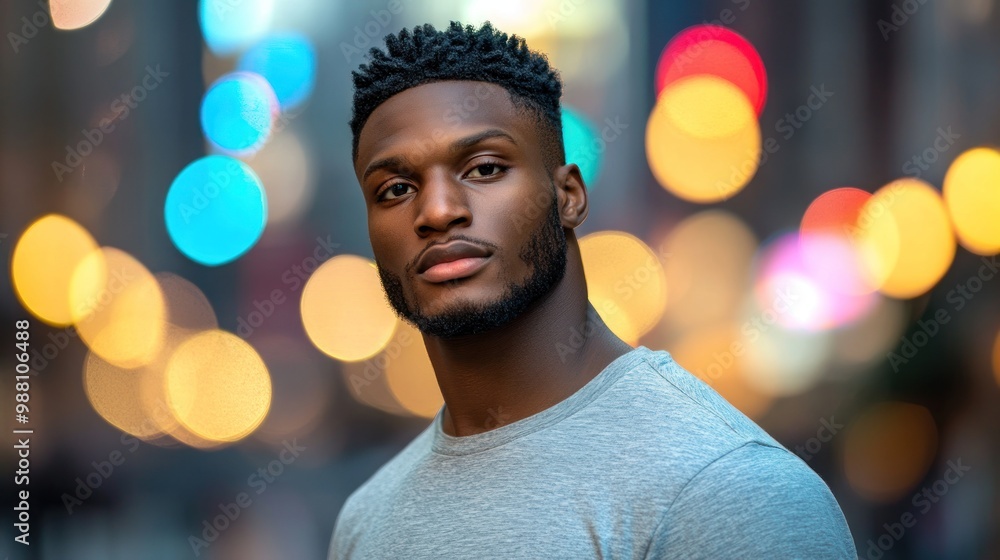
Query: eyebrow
x=395 y=162
x=469 y=141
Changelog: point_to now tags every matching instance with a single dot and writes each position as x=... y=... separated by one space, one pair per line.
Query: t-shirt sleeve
x=756 y=501
x=342 y=543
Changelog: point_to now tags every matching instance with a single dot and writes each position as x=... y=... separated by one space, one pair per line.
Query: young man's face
x=456 y=160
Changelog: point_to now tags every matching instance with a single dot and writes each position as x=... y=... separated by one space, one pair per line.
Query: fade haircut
x=484 y=55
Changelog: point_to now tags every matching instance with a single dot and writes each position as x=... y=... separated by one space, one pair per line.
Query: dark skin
x=495 y=192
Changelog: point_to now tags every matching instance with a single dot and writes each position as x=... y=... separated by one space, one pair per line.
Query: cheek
x=517 y=216
x=388 y=254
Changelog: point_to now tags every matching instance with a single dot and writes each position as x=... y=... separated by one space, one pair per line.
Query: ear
x=572 y=195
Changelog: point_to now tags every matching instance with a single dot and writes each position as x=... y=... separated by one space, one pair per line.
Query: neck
x=532 y=363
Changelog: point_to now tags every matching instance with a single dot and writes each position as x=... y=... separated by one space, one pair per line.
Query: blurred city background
x=800 y=201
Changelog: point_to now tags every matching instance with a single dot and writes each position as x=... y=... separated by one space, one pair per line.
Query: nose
x=442 y=204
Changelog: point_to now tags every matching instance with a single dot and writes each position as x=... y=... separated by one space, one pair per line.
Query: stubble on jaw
x=545 y=255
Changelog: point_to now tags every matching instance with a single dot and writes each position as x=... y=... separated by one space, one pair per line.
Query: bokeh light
x=367 y=380
x=827 y=240
x=571 y=34
x=410 y=376
x=115 y=393
x=285 y=169
x=972 y=196
x=625 y=282
x=217 y=386
x=707 y=260
x=228 y=26
x=782 y=362
x=716 y=355
x=74 y=14
x=154 y=398
x=186 y=305
x=188 y=313
x=302 y=388
x=906 y=237
x=583 y=146
x=869 y=339
x=344 y=310
x=888 y=449
x=803 y=298
x=523 y=17
x=215 y=210
x=42 y=266
x=118 y=308
x=703 y=141
x=715 y=50
x=288 y=62
x=238 y=112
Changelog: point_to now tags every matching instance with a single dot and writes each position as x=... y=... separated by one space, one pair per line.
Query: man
x=606 y=452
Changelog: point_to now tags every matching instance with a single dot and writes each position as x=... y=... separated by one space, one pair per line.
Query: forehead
x=431 y=115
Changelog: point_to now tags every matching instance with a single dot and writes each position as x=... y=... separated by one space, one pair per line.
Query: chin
x=446 y=300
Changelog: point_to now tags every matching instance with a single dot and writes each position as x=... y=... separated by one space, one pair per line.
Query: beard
x=545 y=255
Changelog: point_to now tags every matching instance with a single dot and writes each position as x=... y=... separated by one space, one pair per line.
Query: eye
x=396 y=190
x=487 y=169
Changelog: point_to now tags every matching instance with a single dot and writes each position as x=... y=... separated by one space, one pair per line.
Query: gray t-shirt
x=644 y=461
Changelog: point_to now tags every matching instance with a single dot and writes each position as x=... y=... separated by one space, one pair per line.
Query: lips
x=467 y=258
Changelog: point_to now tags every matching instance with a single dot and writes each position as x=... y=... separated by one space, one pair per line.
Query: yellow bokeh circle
x=703 y=141
x=118 y=308
x=972 y=196
x=218 y=386
x=410 y=375
x=905 y=238
x=42 y=266
x=344 y=310
x=625 y=283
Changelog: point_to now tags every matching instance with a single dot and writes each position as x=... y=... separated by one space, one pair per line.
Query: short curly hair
x=462 y=53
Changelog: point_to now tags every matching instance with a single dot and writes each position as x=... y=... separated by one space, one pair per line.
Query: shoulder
x=739 y=492
x=726 y=481
x=680 y=410
x=755 y=500
x=365 y=501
